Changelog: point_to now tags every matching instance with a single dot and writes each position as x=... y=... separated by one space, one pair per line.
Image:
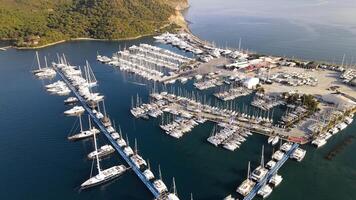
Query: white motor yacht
x=299 y=154
x=70 y=100
x=270 y=164
x=76 y=110
x=278 y=155
x=245 y=188
x=286 y=146
x=319 y=142
x=101 y=152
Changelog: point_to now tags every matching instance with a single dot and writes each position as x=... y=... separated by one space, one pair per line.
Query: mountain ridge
x=33 y=23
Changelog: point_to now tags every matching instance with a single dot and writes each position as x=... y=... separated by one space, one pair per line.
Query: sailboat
x=245 y=188
x=103 y=175
x=84 y=134
x=260 y=171
x=158 y=184
x=173 y=195
x=89 y=75
x=106 y=120
x=137 y=159
x=45 y=72
x=148 y=173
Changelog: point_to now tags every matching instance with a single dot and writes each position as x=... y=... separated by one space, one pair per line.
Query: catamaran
x=148 y=173
x=137 y=159
x=265 y=191
x=260 y=171
x=278 y=155
x=173 y=195
x=103 y=175
x=298 y=154
x=159 y=184
x=245 y=188
x=276 y=180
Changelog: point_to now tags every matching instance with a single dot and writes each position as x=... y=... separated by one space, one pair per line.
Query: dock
x=102 y=128
x=270 y=173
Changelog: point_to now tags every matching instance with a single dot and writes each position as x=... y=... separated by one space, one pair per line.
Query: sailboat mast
x=262 y=157
x=174 y=187
x=148 y=164
x=135 y=146
x=248 y=170
x=38 y=60
x=87 y=72
x=159 y=172
x=80 y=123
x=89 y=122
x=104 y=109
x=120 y=132
x=46 y=61
x=127 y=141
x=96 y=155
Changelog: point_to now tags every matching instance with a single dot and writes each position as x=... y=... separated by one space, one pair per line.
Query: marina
x=192 y=109
x=182 y=114
x=219 y=99
x=199 y=133
x=83 y=95
x=266 y=176
x=150 y=62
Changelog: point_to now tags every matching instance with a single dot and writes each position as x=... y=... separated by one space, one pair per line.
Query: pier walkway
x=102 y=128
x=270 y=173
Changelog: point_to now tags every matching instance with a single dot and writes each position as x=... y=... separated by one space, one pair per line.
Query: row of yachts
x=210 y=83
x=82 y=83
x=179 y=127
x=265 y=177
x=230 y=137
x=265 y=103
x=323 y=138
x=233 y=93
x=43 y=72
x=147 y=61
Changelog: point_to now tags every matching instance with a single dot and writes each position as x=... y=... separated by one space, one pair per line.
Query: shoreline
x=81 y=39
x=176 y=18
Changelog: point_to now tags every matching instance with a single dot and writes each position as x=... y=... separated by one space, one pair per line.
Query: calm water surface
x=38 y=162
x=309 y=29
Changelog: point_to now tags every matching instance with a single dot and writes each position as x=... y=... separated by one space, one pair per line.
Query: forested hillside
x=38 y=22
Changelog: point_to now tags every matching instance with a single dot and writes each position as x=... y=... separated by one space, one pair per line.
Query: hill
x=39 y=22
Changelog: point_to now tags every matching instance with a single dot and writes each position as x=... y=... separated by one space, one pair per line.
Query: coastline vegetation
x=31 y=23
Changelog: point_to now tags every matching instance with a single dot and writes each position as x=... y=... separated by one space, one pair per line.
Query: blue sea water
x=38 y=162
